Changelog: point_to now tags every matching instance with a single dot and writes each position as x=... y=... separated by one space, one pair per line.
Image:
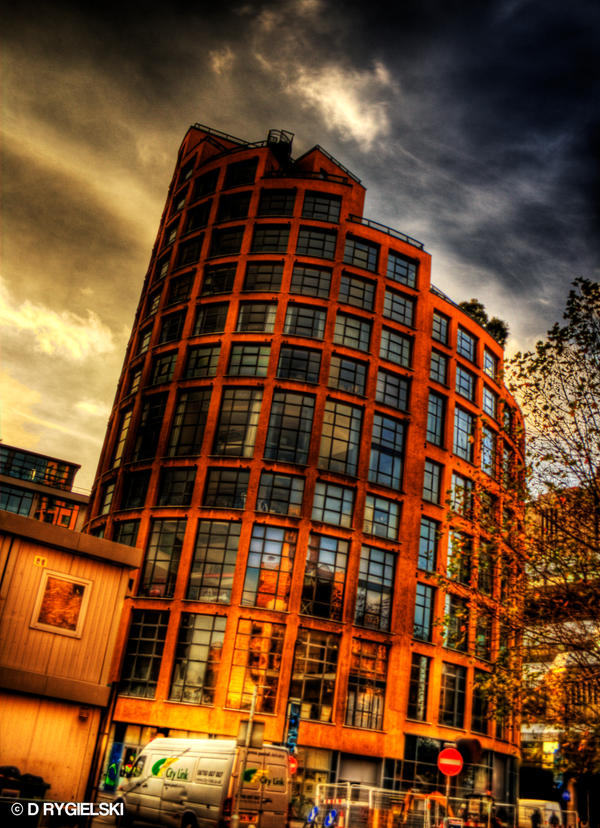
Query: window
x=180 y=289
x=465 y=345
x=134 y=380
x=352 y=331
x=460 y=557
x=356 y=291
x=202 y=361
x=269 y=568
x=315 y=242
x=347 y=374
x=401 y=269
x=438 y=371
x=399 y=308
x=396 y=347
x=121 y=438
x=238 y=420
x=211 y=318
x=321 y=206
x=171 y=327
x=186 y=172
x=135 y=487
x=197 y=217
x=280 y=493
x=249 y=360
x=153 y=303
x=218 y=279
x=507 y=419
x=179 y=200
x=382 y=517
x=313 y=673
x=213 y=564
x=276 y=202
x=205 y=184
x=263 y=276
x=483 y=635
x=108 y=491
x=387 y=450
x=226 y=488
x=488 y=450
x=240 y=173
x=490 y=364
x=234 y=206
x=148 y=430
x=162 y=558
x=324 y=577
x=418 y=687
x=143 y=653
x=452 y=695
x=290 y=425
x=340 y=437
x=461 y=495
x=197 y=658
x=361 y=253
x=366 y=684
x=270 y=238
x=299 y=363
x=126 y=532
x=189 y=422
x=375 y=587
x=432 y=479
x=305 y=320
x=436 y=416
x=456 y=623
x=465 y=383
x=490 y=402
x=464 y=431
x=486 y=567
x=423 y=620
x=428 y=544
x=311 y=281
x=333 y=504
x=171 y=232
x=176 y=487
x=392 y=390
x=226 y=241
x=440 y=328
x=256 y=317
x=189 y=251
x=480 y=709
x=144 y=340
x=256 y=665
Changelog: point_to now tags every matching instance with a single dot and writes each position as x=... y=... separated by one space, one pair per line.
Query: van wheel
x=124 y=820
x=188 y=821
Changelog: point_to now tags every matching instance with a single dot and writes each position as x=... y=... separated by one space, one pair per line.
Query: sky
x=474 y=125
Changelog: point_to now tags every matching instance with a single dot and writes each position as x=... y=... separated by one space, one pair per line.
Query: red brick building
x=298 y=407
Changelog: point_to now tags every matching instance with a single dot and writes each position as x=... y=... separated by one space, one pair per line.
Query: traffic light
x=293 y=724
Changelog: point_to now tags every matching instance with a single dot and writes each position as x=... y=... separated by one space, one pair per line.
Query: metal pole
x=235 y=817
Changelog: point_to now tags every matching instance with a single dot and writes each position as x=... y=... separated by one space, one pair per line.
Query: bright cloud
x=16 y=405
x=222 y=60
x=92 y=408
x=350 y=100
x=64 y=334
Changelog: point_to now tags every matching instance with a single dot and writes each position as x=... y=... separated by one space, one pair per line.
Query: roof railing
x=387 y=230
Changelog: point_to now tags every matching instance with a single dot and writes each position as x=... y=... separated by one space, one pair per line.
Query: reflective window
x=324 y=577
x=436 y=417
x=399 y=308
x=210 y=318
x=270 y=238
x=276 y=202
x=218 y=279
x=310 y=280
x=348 y=374
x=340 y=437
x=313 y=241
x=333 y=504
x=452 y=695
x=149 y=426
x=143 y=653
x=233 y=206
x=280 y=493
x=263 y=276
x=162 y=558
x=464 y=434
x=401 y=269
x=432 y=481
x=205 y=184
x=290 y=426
x=438 y=370
x=356 y=291
x=321 y=206
x=256 y=317
x=423 y=620
x=382 y=517
x=226 y=241
x=240 y=173
x=375 y=586
x=238 y=421
x=314 y=672
x=189 y=422
x=176 y=486
x=366 y=684
x=249 y=360
x=396 y=347
x=418 y=687
x=387 y=451
x=213 y=564
x=352 y=331
x=202 y=361
x=302 y=364
x=392 y=389
x=440 y=328
x=226 y=488
x=163 y=367
x=256 y=665
x=197 y=658
x=465 y=383
x=428 y=544
x=361 y=253
x=466 y=344
x=305 y=320
x=269 y=568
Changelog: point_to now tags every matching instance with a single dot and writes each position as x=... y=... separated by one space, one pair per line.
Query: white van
x=545 y=812
x=194 y=783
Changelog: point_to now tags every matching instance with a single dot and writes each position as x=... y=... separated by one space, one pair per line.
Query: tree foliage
x=498 y=328
x=557 y=385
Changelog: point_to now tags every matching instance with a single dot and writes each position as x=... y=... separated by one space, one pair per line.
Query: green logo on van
x=160 y=766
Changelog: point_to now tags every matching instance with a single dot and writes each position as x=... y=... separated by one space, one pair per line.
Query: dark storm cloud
x=474 y=125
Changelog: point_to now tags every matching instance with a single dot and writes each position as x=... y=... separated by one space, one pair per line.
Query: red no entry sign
x=450 y=762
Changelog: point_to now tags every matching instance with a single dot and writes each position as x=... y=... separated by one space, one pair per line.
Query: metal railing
x=389 y=231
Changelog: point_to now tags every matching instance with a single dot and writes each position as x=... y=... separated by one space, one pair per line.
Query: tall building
x=40 y=486
x=302 y=429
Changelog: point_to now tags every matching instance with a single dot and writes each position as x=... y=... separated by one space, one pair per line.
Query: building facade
x=303 y=428
x=40 y=486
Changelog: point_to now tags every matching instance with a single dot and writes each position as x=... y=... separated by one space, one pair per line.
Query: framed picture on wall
x=61 y=603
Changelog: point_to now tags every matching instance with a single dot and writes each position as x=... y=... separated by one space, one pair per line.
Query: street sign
x=292 y=764
x=330 y=819
x=293 y=723
x=313 y=814
x=450 y=762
